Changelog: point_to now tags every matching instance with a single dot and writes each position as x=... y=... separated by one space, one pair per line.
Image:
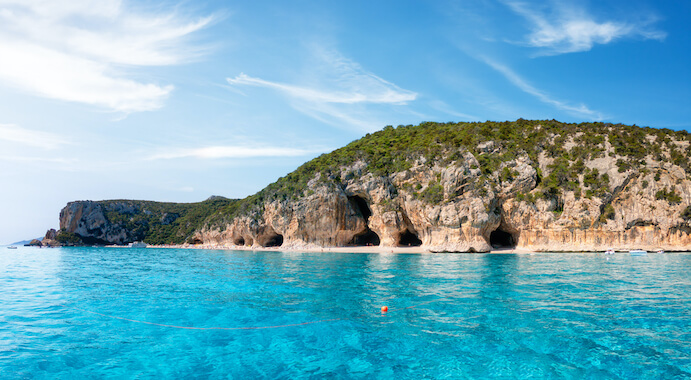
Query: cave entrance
x=239 y=241
x=367 y=237
x=409 y=239
x=501 y=239
x=195 y=241
x=274 y=241
x=360 y=205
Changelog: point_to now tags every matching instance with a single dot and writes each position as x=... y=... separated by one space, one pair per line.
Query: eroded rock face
x=449 y=206
x=50 y=239
x=468 y=217
x=88 y=220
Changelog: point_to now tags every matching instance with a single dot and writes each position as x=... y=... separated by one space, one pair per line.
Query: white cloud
x=216 y=152
x=376 y=90
x=18 y=135
x=440 y=105
x=516 y=80
x=336 y=90
x=570 y=29
x=81 y=51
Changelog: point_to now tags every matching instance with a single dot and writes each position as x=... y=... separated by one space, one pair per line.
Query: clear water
x=459 y=316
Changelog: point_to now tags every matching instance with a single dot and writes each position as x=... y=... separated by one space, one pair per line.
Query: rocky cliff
x=465 y=187
x=126 y=221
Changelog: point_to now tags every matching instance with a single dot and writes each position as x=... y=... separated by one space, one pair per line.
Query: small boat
x=11 y=247
x=660 y=251
x=638 y=252
x=609 y=252
x=138 y=244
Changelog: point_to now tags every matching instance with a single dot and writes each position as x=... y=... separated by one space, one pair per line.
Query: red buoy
x=384 y=309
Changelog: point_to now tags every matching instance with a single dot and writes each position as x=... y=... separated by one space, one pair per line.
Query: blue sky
x=178 y=101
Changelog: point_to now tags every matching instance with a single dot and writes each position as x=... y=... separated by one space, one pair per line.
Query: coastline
x=358 y=249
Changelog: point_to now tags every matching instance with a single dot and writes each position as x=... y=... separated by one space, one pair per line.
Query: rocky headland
x=454 y=187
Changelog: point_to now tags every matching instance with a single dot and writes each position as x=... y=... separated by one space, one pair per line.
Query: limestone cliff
x=466 y=187
x=126 y=221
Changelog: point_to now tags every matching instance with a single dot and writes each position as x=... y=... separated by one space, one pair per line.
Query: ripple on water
x=72 y=313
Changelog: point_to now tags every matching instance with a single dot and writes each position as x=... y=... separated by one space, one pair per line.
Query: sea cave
x=274 y=241
x=367 y=237
x=501 y=239
x=409 y=239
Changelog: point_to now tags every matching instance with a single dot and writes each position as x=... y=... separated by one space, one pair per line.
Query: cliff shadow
x=409 y=239
x=268 y=237
x=504 y=236
x=195 y=241
x=240 y=240
x=274 y=241
x=502 y=239
x=366 y=237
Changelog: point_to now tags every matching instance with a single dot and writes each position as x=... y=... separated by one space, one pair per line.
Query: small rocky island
x=540 y=185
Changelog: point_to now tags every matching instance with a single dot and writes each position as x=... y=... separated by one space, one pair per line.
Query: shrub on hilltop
x=568 y=145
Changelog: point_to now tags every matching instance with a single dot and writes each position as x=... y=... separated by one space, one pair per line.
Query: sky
x=177 y=101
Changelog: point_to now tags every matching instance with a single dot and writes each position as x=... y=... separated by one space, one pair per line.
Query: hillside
x=126 y=221
x=541 y=185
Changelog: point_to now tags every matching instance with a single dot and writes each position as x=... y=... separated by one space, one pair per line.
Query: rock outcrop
x=50 y=240
x=88 y=220
x=122 y=222
x=568 y=188
x=472 y=218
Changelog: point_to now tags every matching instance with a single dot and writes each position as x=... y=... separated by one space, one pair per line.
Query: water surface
x=80 y=313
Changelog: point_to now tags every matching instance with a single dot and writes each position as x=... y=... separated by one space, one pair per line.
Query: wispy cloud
x=39 y=139
x=80 y=50
x=218 y=152
x=569 y=29
x=579 y=110
x=336 y=90
x=445 y=108
x=379 y=91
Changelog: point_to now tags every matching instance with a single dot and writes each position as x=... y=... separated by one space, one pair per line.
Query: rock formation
x=50 y=240
x=471 y=187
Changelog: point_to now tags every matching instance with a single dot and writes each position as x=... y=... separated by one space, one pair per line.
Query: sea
x=150 y=313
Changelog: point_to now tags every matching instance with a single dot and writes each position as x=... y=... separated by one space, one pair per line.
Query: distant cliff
x=466 y=187
x=126 y=221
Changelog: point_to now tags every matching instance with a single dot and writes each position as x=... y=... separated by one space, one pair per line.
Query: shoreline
x=359 y=249
x=382 y=250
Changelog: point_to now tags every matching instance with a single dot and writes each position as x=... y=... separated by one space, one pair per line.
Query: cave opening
x=501 y=239
x=360 y=205
x=409 y=239
x=367 y=237
x=239 y=241
x=195 y=241
x=274 y=241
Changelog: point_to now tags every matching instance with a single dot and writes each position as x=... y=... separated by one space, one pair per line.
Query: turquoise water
x=80 y=312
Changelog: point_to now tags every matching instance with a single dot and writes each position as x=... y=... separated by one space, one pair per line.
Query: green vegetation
x=568 y=147
x=670 y=196
x=607 y=213
x=395 y=149
x=433 y=194
x=159 y=222
x=686 y=214
x=68 y=238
